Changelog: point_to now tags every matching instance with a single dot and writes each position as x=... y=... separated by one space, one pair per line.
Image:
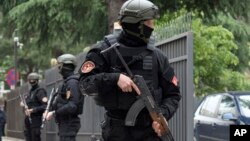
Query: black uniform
x=142 y=59
x=68 y=105
x=2 y=122
x=34 y=101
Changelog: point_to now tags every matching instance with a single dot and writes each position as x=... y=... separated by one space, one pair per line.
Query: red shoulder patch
x=175 y=80
x=87 y=67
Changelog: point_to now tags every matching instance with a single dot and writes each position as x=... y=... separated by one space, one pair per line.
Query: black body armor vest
x=33 y=101
x=141 y=61
x=61 y=97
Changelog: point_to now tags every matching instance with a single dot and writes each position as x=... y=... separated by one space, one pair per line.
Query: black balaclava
x=137 y=34
x=67 y=70
x=34 y=84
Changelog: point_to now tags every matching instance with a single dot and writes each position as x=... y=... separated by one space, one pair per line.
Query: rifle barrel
x=52 y=94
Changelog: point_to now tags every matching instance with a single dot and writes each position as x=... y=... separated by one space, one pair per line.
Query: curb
x=11 y=139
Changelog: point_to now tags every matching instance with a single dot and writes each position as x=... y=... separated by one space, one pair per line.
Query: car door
x=205 y=116
x=220 y=127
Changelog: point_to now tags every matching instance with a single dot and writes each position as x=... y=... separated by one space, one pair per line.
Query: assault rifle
x=49 y=104
x=145 y=99
x=25 y=105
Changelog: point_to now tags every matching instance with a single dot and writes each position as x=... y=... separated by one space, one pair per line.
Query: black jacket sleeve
x=99 y=77
x=71 y=106
x=171 y=91
x=40 y=95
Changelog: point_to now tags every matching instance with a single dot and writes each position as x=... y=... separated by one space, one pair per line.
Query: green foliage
x=6 y=60
x=49 y=28
x=6 y=5
x=241 y=30
x=6 y=64
x=207 y=8
x=6 y=47
x=234 y=81
x=213 y=58
x=48 y=20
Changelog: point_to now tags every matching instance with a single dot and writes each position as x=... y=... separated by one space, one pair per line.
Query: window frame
x=204 y=104
x=235 y=103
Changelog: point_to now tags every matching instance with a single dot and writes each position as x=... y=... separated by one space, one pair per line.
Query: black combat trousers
x=68 y=128
x=115 y=130
x=32 y=131
x=1 y=131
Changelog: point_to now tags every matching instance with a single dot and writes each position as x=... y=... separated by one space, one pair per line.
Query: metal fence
x=174 y=27
x=179 y=50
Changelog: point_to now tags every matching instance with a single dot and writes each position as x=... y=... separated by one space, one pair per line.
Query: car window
x=227 y=105
x=244 y=103
x=210 y=105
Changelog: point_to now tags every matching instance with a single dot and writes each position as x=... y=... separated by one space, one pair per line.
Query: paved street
x=10 y=139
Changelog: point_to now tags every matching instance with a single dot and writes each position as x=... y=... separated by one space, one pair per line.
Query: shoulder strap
x=138 y=57
x=110 y=39
x=76 y=77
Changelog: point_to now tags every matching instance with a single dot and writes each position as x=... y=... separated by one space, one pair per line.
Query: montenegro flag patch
x=87 y=67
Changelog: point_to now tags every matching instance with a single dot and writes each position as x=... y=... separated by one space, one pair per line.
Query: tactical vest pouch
x=147 y=63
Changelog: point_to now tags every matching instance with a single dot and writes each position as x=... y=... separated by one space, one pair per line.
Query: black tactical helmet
x=67 y=59
x=33 y=76
x=133 y=11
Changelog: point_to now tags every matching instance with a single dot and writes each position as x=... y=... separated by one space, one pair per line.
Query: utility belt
x=65 y=118
x=114 y=122
x=143 y=120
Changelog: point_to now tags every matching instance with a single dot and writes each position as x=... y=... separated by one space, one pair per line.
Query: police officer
x=104 y=77
x=69 y=102
x=36 y=101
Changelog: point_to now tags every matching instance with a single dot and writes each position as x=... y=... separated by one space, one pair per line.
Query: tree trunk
x=113 y=11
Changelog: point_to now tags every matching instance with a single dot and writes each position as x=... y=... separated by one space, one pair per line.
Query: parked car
x=217 y=112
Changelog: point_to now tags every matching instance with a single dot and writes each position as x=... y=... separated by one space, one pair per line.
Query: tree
x=213 y=58
x=113 y=7
x=53 y=27
x=241 y=31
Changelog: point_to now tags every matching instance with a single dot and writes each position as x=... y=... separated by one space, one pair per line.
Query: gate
x=180 y=54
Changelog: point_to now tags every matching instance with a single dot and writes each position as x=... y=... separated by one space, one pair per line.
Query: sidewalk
x=10 y=139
